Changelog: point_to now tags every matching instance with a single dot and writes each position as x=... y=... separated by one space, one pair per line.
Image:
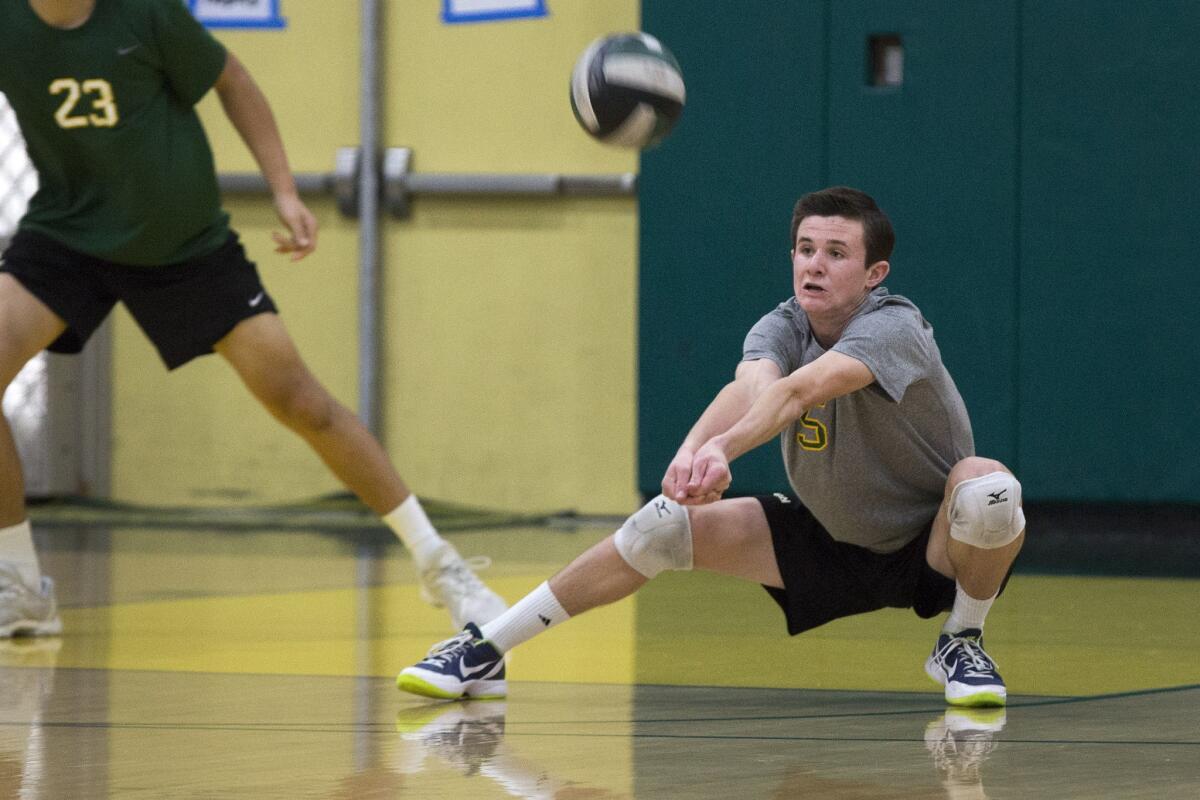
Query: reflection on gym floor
x=209 y=664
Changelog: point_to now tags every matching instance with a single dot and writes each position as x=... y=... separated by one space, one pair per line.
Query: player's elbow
x=796 y=407
x=794 y=399
x=233 y=76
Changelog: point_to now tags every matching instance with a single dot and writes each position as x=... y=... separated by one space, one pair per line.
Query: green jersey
x=107 y=111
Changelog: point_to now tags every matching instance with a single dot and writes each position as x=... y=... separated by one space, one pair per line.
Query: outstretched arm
x=784 y=401
x=729 y=406
x=248 y=110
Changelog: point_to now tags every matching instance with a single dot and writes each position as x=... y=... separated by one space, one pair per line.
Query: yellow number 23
x=103 y=112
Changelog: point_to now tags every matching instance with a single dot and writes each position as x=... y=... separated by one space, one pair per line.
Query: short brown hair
x=842 y=201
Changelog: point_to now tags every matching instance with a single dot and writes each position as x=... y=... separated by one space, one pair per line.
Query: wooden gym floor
x=260 y=664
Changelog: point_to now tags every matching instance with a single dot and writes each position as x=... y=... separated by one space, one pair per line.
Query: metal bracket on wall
x=401 y=184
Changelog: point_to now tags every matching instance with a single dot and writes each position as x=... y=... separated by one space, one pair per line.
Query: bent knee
x=303 y=407
x=984 y=506
x=658 y=537
x=972 y=467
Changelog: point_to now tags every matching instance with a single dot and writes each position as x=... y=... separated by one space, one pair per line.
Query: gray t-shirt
x=871 y=465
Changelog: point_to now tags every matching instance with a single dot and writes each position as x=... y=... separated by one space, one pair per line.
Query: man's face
x=829 y=269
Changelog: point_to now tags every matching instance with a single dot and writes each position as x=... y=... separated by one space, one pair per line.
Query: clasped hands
x=696 y=478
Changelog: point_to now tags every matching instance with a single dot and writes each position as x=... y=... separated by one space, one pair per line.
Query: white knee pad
x=986 y=511
x=657 y=537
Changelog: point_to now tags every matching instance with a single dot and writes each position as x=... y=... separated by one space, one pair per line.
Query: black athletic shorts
x=183 y=308
x=825 y=579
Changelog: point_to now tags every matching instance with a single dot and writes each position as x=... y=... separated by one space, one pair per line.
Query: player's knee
x=14 y=355
x=985 y=511
x=656 y=538
x=303 y=407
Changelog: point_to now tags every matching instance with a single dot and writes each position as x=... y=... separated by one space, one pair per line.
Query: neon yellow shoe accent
x=414 y=685
x=979 y=700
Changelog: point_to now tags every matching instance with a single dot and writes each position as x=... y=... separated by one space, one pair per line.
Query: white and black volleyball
x=627 y=90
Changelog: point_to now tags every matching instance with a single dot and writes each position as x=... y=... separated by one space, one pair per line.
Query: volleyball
x=627 y=90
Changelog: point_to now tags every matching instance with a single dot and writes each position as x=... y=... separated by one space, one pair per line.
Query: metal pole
x=255 y=183
x=368 y=327
x=368 y=222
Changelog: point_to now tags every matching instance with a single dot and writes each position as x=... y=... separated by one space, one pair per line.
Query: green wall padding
x=1110 y=221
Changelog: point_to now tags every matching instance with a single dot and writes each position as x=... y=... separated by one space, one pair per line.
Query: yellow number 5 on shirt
x=815 y=435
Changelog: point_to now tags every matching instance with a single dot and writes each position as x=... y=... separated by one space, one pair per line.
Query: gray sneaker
x=25 y=610
x=450 y=583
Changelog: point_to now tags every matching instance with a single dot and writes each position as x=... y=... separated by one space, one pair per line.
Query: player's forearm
x=786 y=400
x=250 y=113
x=730 y=404
x=774 y=409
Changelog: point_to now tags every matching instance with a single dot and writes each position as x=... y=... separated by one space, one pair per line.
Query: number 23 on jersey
x=85 y=103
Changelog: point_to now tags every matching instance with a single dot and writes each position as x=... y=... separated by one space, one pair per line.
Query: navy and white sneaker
x=466 y=665
x=960 y=663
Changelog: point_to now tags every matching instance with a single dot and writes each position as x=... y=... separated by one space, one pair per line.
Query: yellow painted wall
x=509 y=326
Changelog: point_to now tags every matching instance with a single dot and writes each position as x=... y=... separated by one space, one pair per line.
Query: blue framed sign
x=237 y=13
x=456 y=11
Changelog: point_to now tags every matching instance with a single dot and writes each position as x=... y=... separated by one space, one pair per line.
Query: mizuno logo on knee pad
x=986 y=511
x=657 y=537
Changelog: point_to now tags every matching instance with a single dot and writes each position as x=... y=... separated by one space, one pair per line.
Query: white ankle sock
x=413 y=527
x=967 y=611
x=535 y=612
x=16 y=547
